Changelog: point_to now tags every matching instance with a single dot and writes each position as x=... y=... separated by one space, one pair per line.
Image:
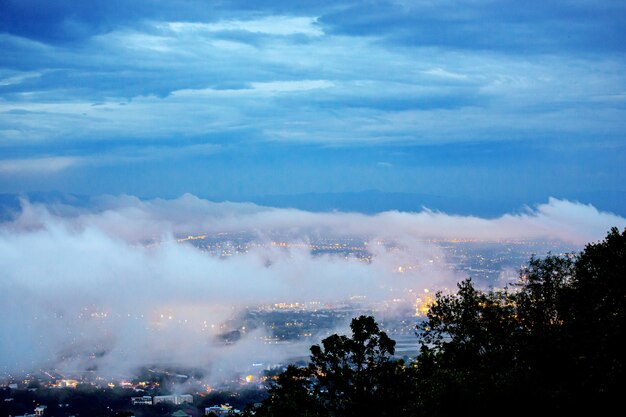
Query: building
x=145 y=400
x=173 y=399
x=40 y=410
x=221 y=410
x=66 y=383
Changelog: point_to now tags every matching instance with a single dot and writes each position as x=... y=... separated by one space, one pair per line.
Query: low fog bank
x=131 y=219
x=107 y=287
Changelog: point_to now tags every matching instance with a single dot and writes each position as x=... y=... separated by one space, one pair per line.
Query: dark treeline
x=549 y=345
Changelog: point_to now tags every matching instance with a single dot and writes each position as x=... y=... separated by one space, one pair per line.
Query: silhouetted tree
x=554 y=339
x=468 y=350
x=597 y=317
x=347 y=376
x=357 y=375
x=291 y=394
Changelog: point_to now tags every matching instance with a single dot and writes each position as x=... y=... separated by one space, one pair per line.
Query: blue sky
x=497 y=102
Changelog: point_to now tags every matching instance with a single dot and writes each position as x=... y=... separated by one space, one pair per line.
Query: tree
x=554 y=339
x=352 y=373
x=347 y=376
x=291 y=394
x=598 y=315
x=468 y=350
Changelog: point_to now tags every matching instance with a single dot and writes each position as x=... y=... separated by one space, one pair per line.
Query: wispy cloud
x=290 y=86
x=18 y=78
x=37 y=165
x=270 y=25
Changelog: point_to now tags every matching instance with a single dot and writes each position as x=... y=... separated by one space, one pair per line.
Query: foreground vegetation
x=552 y=344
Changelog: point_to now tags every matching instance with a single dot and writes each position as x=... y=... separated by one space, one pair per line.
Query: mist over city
x=294 y=208
x=123 y=283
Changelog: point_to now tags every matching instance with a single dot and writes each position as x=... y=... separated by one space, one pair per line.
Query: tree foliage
x=347 y=376
x=552 y=343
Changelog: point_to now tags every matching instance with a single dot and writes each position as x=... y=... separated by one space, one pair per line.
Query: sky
x=489 y=104
x=124 y=121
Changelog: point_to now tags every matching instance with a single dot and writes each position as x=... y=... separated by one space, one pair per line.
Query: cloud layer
x=135 y=220
x=82 y=280
x=349 y=73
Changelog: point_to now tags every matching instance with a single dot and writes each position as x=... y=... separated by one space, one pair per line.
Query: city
x=286 y=327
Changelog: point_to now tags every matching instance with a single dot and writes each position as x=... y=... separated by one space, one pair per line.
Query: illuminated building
x=221 y=410
x=145 y=400
x=173 y=399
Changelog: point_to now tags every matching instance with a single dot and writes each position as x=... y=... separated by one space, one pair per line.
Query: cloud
x=71 y=21
x=18 y=79
x=36 y=165
x=290 y=86
x=513 y=27
x=78 y=293
x=192 y=69
x=270 y=25
x=442 y=73
x=135 y=220
x=117 y=155
x=79 y=279
x=506 y=26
